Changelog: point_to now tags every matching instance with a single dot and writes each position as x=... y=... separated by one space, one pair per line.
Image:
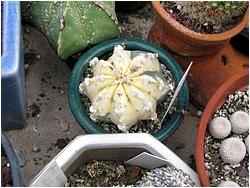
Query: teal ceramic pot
x=74 y=98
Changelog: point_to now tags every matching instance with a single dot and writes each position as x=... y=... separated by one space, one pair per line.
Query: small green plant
x=208 y=16
x=71 y=26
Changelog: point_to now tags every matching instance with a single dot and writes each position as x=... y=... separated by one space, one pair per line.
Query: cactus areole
x=125 y=87
x=71 y=26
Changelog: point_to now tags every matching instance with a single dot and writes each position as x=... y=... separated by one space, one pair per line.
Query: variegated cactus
x=73 y=25
x=125 y=88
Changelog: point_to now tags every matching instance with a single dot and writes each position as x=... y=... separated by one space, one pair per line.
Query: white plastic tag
x=147 y=160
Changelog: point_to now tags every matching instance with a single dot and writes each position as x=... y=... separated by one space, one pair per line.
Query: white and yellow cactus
x=125 y=88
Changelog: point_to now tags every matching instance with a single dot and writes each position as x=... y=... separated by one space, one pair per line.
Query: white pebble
x=199 y=113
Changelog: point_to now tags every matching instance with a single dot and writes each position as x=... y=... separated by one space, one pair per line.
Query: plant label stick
x=177 y=90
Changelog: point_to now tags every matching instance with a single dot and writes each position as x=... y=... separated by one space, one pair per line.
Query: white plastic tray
x=54 y=173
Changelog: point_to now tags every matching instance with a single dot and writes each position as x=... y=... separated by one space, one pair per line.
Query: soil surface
x=204 y=25
x=6 y=180
x=105 y=174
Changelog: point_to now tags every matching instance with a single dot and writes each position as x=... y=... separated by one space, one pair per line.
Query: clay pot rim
x=178 y=27
x=218 y=98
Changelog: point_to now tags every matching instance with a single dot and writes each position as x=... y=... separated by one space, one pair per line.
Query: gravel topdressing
x=216 y=169
x=167 y=176
x=146 y=126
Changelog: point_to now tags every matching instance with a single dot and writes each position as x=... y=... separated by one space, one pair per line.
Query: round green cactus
x=71 y=26
x=125 y=88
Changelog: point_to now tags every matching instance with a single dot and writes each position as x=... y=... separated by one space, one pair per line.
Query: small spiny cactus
x=228 y=184
x=209 y=16
x=125 y=88
x=232 y=150
x=220 y=127
x=240 y=122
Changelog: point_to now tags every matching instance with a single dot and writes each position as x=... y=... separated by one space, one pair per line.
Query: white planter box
x=105 y=147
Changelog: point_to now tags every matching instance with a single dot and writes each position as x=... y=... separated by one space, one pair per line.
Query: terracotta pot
x=208 y=73
x=167 y=32
x=7 y=148
x=215 y=60
x=237 y=82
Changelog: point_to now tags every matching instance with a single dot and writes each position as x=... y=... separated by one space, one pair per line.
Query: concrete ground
x=50 y=124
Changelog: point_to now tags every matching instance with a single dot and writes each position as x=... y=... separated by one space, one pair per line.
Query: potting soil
x=105 y=174
x=6 y=180
x=207 y=27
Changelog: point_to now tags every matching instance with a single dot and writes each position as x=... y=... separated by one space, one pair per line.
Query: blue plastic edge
x=13 y=99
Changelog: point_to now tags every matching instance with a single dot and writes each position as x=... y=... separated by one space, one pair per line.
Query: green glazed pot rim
x=74 y=98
